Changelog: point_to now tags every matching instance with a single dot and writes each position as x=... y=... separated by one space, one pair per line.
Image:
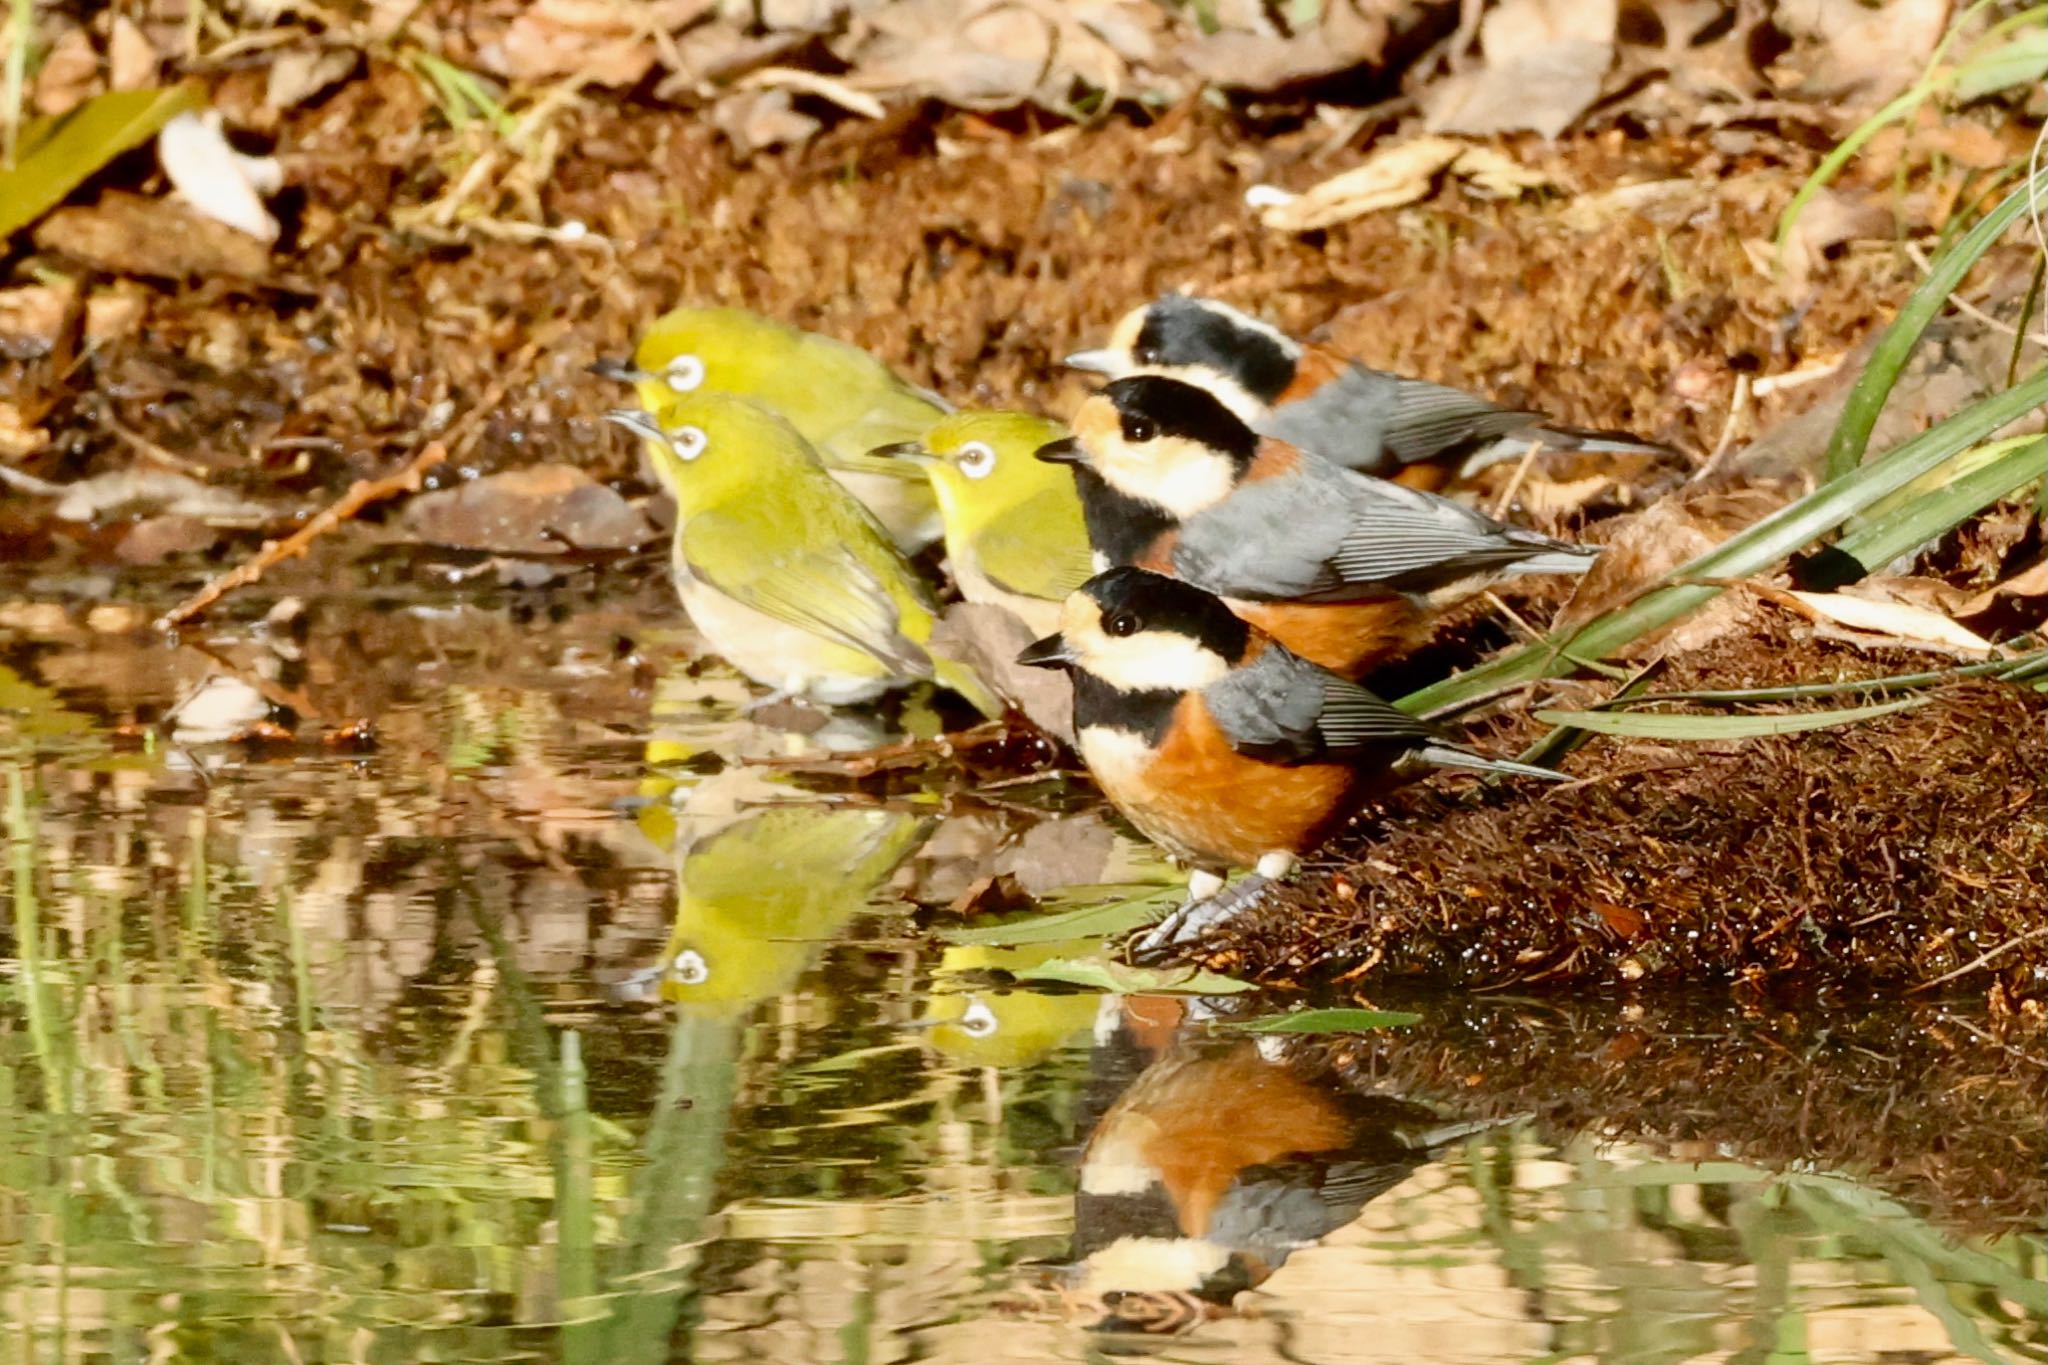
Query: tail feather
x=1571 y=559
x=1450 y=756
x=1559 y=437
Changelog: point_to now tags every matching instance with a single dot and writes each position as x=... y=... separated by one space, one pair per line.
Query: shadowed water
x=541 y=1027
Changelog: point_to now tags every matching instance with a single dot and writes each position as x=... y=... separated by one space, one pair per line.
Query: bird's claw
x=1167 y=941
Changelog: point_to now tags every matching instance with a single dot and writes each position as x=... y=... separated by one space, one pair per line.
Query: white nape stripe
x=1151 y=661
x=1218 y=385
x=1287 y=344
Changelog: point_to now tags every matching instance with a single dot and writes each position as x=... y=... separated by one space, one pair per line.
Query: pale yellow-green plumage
x=1001 y=1027
x=1014 y=534
x=781 y=570
x=843 y=400
x=758 y=900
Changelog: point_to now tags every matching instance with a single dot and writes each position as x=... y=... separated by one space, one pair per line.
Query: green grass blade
x=1752 y=551
x=1895 y=347
x=1327 y=1021
x=95 y=133
x=1101 y=920
x=1873 y=546
x=1119 y=978
x=1651 y=725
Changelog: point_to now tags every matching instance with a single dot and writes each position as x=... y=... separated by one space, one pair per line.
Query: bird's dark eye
x=1120 y=623
x=1150 y=355
x=1138 y=429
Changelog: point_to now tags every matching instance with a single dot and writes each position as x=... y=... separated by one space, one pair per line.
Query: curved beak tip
x=1095 y=362
x=1066 y=450
x=912 y=451
x=635 y=421
x=1051 y=652
x=624 y=371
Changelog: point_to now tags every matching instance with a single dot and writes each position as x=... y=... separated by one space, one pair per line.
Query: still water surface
x=545 y=1029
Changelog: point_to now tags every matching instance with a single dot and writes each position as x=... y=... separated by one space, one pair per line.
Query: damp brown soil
x=1907 y=853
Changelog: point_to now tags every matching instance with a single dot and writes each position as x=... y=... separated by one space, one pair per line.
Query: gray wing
x=1325 y=534
x=1412 y=541
x=1275 y=540
x=1376 y=422
x=1282 y=708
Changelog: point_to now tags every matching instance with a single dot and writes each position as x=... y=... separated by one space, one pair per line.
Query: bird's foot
x=1168 y=941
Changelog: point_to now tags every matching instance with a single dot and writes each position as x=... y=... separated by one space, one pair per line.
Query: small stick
x=1506 y=499
x=1981 y=959
x=360 y=494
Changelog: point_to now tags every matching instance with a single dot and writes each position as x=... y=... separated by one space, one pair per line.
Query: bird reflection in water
x=1222 y=1157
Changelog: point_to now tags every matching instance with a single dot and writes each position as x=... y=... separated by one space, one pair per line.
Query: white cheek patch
x=1184 y=477
x=1153 y=661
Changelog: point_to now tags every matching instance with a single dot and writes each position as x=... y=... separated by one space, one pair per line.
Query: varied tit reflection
x=1219 y=1159
x=765 y=880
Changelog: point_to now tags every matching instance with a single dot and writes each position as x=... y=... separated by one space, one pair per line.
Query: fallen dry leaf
x=1389 y=178
x=1859 y=49
x=1831 y=218
x=132 y=60
x=2031 y=582
x=69 y=74
x=32 y=317
x=541 y=509
x=1545 y=61
x=756 y=121
x=128 y=234
x=1246 y=54
x=1911 y=625
x=18 y=439
x=298 y=76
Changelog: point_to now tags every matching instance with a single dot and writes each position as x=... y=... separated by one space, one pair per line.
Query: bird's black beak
x=1051 y=652
x=624 y=371
x=913 y=451
x=637 y=422
x=1066 y=450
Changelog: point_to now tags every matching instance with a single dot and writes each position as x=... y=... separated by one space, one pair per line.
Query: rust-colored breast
x=1351 y=638
x=1203 y=799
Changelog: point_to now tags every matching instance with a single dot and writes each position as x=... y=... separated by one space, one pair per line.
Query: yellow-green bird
x=782 y=572
x=843 y=400
x=1014 y=533
x=758 y=900
x=1007 y=1026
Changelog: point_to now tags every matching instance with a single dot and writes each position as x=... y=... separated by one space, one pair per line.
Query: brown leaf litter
x=1909 y=851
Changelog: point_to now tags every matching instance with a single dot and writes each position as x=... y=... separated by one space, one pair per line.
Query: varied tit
x=759 y=899
x=1217 y=742
x=974 y=1024
x=781 y=571
x=843 y=400
x=1313 y=398
x=1343 y=568
x=1220 y=1161
x=1014 y=533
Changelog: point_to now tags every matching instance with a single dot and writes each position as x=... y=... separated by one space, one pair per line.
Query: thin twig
x=360 y=494
x=1982 y=958
x=1507 y=495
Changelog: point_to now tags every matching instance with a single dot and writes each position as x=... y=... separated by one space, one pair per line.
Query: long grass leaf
x=1888 y=358
x=1654 y=725
x=1873 y=546
x=95 y=133
x=1327 y=1021
x=1090 y=921
x=1749 y=552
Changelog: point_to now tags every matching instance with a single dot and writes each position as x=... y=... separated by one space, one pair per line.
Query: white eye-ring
x=977 y=1020
x=684 y=374
x=689 y=968
x=688 y=442
x=976 y=459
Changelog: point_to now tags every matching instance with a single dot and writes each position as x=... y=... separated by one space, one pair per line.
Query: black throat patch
x=1121 y=528
x=1147 y=714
